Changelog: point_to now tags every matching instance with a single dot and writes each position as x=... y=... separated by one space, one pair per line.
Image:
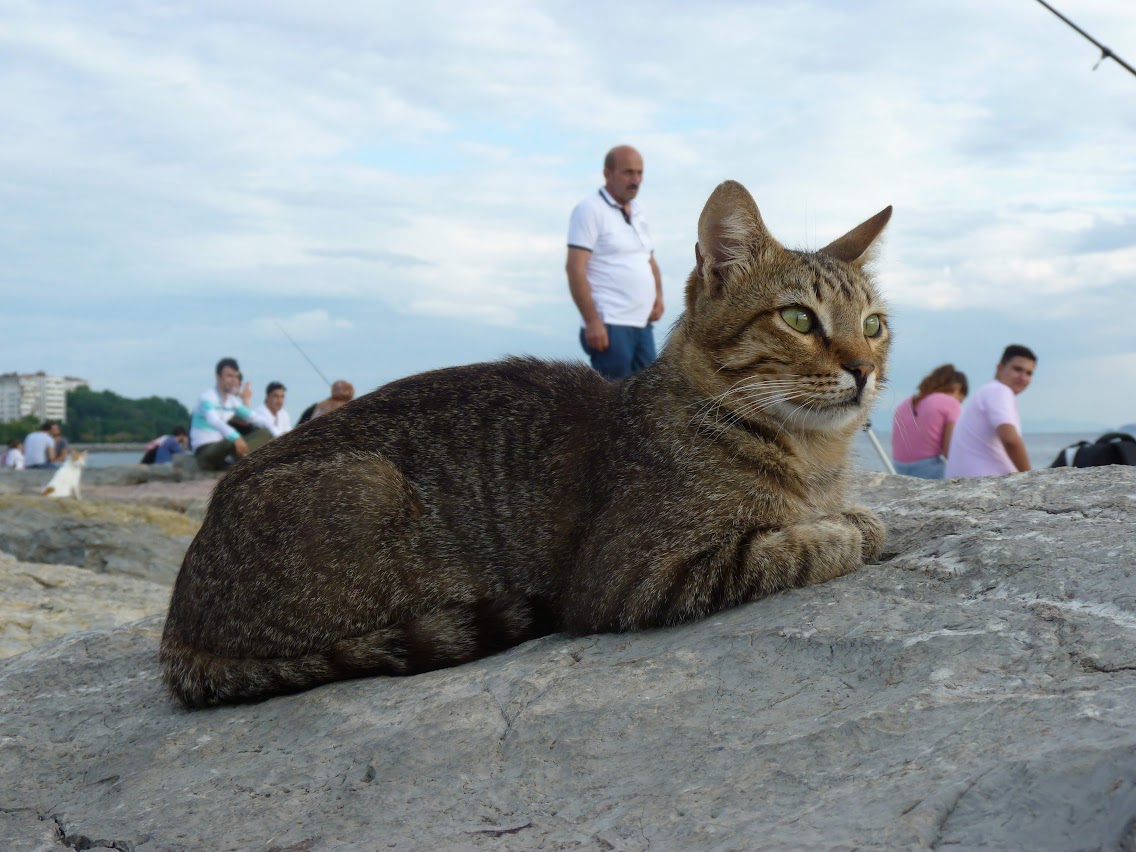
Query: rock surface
x=182 y=469
x=110 y=537
x=39 y=603
x=191 y=498
x=975 y=689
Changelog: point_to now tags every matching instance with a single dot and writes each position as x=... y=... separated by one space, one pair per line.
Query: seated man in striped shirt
x=213 y=431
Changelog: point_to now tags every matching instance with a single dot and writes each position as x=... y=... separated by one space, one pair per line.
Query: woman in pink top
x=922 y=425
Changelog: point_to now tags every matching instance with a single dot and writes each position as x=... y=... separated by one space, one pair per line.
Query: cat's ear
x=729 y=229
x=858 y=245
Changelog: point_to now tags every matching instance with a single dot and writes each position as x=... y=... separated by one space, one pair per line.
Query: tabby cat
x=450 y=515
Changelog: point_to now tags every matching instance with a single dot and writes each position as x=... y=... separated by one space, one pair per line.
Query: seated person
x=164 y=448
x=271 y=414
x=988 y=436
x=40 y=446
x=342 y=392
x=14 y=455
x=922 y=426
x=213 y=432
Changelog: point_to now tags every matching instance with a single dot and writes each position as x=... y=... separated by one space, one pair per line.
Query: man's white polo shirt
x=619 y=268
x=36 y=446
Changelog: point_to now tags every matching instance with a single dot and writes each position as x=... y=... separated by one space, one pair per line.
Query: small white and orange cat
x=65 y=482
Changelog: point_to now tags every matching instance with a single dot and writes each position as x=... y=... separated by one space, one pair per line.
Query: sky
x=389 y=184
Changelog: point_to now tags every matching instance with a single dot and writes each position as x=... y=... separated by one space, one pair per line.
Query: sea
x=103 y=456
x=1042 y=447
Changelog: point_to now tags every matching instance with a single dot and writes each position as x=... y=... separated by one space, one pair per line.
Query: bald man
x=342 y=392
x=612 y=273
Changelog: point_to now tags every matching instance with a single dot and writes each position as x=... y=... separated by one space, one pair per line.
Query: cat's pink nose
x=860 y=371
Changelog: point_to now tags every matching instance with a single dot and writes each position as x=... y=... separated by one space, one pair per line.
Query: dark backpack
x=1112 y=448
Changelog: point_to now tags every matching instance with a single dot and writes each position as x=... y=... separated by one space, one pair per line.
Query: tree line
x=104 y=417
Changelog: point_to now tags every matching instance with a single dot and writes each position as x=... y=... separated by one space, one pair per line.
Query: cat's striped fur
x=452 y=514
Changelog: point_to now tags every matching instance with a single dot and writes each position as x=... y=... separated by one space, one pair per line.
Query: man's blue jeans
x=629 y=350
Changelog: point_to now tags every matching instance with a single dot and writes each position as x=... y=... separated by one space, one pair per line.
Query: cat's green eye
x=799 y=318
x=873 y=326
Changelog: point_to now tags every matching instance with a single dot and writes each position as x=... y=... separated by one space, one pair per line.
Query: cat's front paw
x=871 y=529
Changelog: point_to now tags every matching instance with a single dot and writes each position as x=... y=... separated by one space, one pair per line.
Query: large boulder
x=975 y=689
x=187 y=497
x=40 y=602
x=112 y=537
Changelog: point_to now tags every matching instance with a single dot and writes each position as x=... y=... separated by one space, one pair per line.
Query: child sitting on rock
x=13 y=457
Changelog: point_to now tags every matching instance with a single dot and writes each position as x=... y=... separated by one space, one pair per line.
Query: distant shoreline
x=109 y=448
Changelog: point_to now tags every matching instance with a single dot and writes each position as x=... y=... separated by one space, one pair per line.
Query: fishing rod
x=1105 y=52
x=302 y=352
x=884 y=457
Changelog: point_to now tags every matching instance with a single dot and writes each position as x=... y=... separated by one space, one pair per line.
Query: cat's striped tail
x=434 y=640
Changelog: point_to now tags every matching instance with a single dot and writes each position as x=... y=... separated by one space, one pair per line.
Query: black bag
x=1111 y=448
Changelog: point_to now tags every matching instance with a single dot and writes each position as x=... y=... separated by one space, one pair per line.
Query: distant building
x=37 y=394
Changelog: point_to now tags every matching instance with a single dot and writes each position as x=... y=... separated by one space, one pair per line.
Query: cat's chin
x=828 y=419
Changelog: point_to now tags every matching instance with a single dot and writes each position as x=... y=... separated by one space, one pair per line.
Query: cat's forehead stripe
x=839 y=276
x=801 y=282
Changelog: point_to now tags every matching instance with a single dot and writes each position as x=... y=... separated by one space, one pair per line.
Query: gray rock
x=104 y=536
x=41 y=602
x=976 y=689
x=182 y=469
x=189 y=497
x=23 y=481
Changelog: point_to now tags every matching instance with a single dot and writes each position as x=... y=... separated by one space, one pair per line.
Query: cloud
x=306 y=326
x=197 y=165
x=387 y=258
x=488 y=314
x=1106 y=235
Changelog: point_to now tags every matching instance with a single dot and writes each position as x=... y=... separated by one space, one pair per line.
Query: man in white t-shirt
x=40 y=448
x=271 y=414
x=612 y=273
x=987 y=439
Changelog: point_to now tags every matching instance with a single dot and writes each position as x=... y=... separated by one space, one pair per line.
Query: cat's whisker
x=763 y=404
x=752 y=403
x=763 y=400
x=740 y=387
x=761 y=388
